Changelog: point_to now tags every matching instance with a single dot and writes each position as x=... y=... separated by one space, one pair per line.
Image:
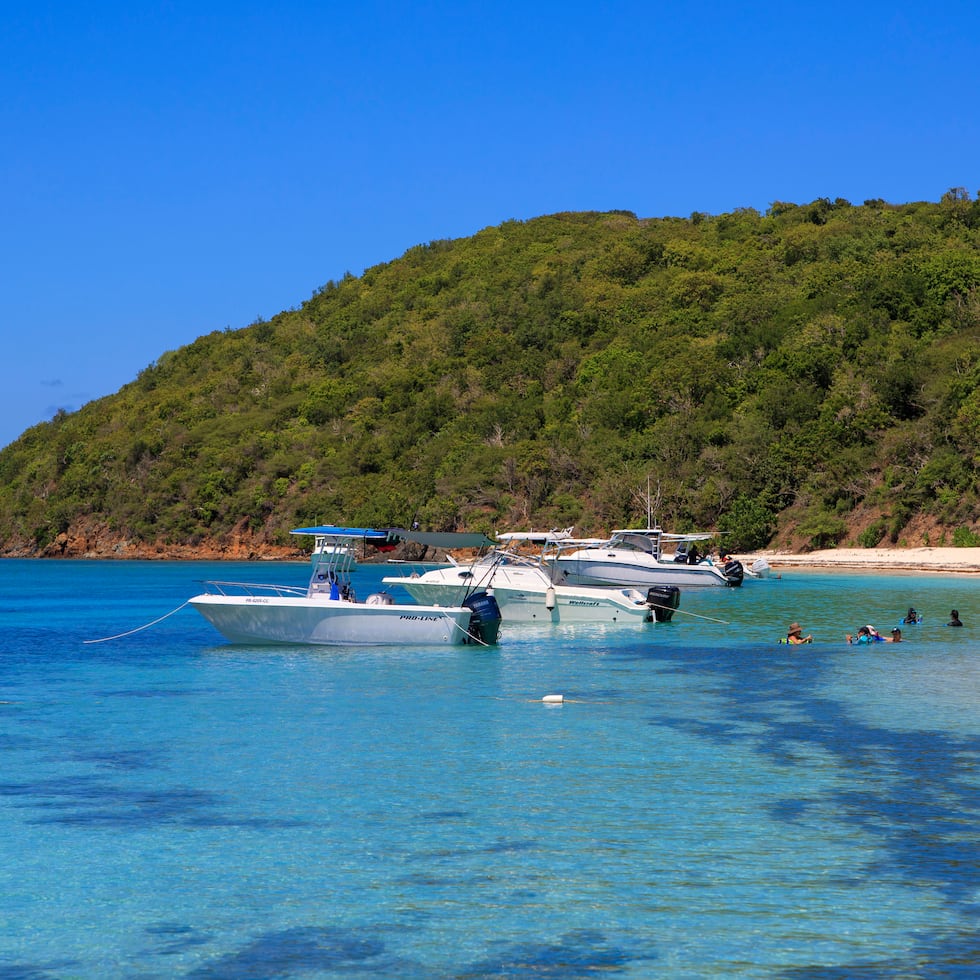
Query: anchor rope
x=684 y=612
x=139 y=629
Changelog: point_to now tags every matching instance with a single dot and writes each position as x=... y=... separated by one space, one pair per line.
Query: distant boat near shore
x=634 y=557
x=343 y=552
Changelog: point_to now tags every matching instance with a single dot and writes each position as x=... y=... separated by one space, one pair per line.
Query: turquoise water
x=707 y=802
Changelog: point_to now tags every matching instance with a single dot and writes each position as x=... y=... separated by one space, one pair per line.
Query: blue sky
x=172 y=168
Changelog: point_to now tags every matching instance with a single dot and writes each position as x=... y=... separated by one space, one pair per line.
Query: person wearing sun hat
x=795 y=635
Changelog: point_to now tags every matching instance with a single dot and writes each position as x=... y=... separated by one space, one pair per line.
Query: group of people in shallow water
x=868 y=634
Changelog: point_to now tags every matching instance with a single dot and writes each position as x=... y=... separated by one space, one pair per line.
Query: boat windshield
x=505 y=556
x=647 y=542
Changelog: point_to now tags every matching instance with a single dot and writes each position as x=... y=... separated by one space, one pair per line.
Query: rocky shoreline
x=97 y=543
x=245 y=546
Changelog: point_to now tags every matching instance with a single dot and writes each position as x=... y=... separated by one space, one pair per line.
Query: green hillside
x=805 y=377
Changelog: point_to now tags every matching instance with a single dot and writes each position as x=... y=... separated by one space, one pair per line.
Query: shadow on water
x=913 y=792
x=294 y=952
x=298 y=951
x=89 y=801
x=580 y=954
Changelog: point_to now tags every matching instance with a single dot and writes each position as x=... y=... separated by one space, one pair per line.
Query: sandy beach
x=965 y=561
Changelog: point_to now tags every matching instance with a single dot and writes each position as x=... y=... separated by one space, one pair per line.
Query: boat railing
x=256 y=588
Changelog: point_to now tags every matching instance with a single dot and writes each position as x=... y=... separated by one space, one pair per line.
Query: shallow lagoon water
x=706 y=803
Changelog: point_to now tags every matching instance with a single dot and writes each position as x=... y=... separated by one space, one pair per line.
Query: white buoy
x=549 y=598
x=553 y=699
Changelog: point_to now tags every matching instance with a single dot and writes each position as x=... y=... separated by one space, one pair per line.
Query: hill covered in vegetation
x=805 y=377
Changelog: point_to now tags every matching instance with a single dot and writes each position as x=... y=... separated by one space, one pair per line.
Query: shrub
x=872 y=534
x=823 y=530
x=963 y=537
x=747 y=526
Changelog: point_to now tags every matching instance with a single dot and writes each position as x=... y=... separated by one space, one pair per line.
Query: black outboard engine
x=734 y=572
x=485 y=618
x=663 y=600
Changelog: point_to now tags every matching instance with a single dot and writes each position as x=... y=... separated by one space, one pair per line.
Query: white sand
x=946 y=560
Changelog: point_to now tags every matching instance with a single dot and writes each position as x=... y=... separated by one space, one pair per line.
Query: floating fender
x=663 y=599
x=549 y=598
x=734 y=572
x=553 y=699
x=485 y=617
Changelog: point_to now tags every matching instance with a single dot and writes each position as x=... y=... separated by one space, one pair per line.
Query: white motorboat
x=635 y=558
x=327 y=611
x=525 y=592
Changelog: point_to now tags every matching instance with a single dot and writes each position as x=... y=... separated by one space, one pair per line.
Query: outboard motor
x=485 y=618
x=734 y=572
x=663 y=600
x=379 y=599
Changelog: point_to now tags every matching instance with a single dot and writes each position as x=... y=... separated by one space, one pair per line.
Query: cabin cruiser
x=327 y=612
x=525 y=591
x=635 y=558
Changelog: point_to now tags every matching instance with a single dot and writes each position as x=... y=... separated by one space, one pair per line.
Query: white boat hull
x=524 y=596
x=330 y=622
x=628 y=571
x=634 y=558
x=522 y=606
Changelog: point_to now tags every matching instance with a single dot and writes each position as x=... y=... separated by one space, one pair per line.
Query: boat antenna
x=647 y=499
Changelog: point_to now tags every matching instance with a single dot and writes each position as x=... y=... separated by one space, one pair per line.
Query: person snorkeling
x=912 y=617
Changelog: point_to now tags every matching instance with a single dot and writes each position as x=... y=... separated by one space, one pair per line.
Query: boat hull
x=523 y=595
x=522 y=606
x=605 y=572
x=330 y=622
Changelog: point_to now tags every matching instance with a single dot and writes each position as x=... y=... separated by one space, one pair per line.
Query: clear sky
x=172 y=168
